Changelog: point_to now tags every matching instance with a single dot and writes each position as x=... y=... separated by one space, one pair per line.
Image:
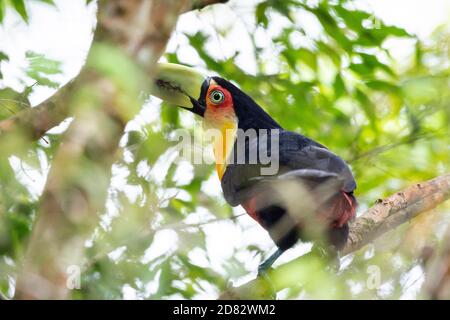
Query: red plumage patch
x=344 y=209
x=250 y=207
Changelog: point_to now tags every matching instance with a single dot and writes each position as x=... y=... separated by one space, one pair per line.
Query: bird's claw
x=263 y=271
x=263 y=275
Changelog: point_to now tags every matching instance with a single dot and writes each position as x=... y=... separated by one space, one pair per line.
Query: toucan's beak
x=181 y=86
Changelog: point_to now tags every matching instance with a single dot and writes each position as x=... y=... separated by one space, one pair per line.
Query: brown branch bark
x=34 y=122
x=383 y=217
x=389 y=213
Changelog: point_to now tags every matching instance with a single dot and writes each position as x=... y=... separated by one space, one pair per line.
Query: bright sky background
x=65 y=35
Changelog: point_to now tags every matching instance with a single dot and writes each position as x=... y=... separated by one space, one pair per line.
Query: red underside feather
x=341 y=210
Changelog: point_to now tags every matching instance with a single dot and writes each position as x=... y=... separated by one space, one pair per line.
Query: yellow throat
x=223 y=133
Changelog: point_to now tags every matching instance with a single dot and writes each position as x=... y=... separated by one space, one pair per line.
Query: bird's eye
x=217 y=97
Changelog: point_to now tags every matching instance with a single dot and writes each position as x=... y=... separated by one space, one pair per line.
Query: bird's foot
x=266 y=282
x=263 y=269
x=263 y=272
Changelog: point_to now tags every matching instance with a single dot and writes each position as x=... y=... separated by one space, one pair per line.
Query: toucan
x=311 y=194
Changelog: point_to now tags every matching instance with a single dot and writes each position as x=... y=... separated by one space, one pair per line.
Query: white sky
x=65 y=35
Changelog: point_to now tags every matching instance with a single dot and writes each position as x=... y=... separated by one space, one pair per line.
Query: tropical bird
x=310 y=193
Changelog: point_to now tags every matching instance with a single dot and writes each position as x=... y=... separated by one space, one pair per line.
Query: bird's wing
x=298 y=156
x=319 y=162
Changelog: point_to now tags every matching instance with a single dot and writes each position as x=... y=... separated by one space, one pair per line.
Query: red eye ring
x=216 y=97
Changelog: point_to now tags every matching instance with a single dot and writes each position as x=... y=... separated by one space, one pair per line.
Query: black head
x=249 y=113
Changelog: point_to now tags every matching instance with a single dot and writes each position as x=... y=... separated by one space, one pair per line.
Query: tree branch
x=32 y=124
x=391 y=212
x=102 y=98
x=384 y=216
x=106 y=98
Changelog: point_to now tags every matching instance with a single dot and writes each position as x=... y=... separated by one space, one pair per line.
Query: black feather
x=249 y=113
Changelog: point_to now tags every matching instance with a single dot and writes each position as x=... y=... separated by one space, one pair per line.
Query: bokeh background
x=367 y=78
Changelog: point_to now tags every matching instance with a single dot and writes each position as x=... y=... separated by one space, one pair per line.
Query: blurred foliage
x=388 y=117
x=19 y=6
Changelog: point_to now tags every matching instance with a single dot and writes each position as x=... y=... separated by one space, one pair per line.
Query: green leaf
x=339 y=86
x=330 y=25
x=19 y=6
x=382 y=86
x=352 y=18
x=42 y=64
x=368 y=107
x=393 y=31
x=308 y=57
x=361 y=69
x=373 y=62
x=2 y=10
x=12 y=102
x=40 y=67
x=331 y=52
x=50 y=2
x=3 y=56
x=261 y=16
